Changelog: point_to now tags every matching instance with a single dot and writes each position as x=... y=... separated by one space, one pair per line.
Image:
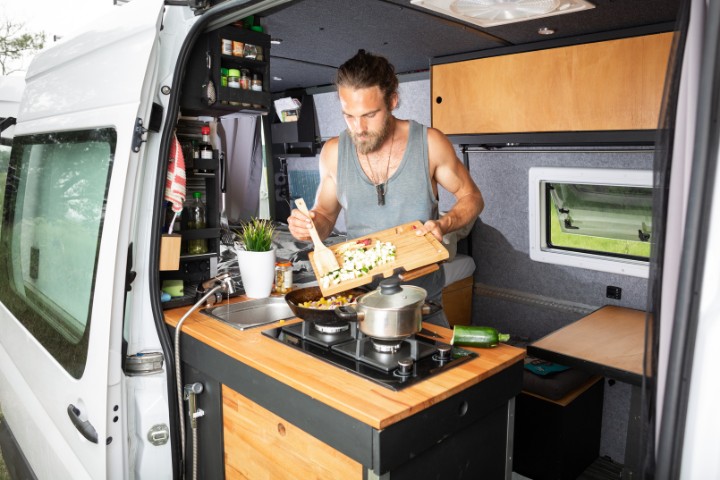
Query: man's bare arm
x=452 y=175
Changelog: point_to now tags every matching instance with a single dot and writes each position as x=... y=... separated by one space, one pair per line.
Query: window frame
x=538 y=210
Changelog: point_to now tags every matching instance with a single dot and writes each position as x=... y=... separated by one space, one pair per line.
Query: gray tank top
x=408 y=197
x=408 y=193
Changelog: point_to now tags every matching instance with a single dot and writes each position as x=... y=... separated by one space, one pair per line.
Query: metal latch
x=138 y=132
x=158 y=434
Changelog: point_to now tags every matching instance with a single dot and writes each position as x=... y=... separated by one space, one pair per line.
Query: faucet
x=213 y=288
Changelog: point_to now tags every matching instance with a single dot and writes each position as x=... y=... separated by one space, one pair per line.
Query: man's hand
x=433 y=227
x=299 y=225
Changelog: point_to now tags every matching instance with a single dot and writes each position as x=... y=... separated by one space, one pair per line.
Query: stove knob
x=405 y=366
x=443 y=353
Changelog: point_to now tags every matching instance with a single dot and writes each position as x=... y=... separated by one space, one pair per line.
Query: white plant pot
x=257 y=270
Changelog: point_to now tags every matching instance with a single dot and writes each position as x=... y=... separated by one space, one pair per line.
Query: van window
x=52 y=223
x=599 y=219
x=603 y=219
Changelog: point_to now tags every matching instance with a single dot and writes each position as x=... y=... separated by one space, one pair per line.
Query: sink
x=251 y=313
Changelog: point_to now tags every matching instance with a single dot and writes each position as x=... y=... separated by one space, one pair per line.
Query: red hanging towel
x=175 y=181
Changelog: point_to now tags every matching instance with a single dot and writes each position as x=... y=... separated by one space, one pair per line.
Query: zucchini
x=471 y=336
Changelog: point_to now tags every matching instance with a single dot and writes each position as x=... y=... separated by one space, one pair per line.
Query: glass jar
x=238 y=48
x=245 y=79
x=226 y=46
x=256 y=83
x=233 y=79
x=250 y=51
x=283 y=276
x=224 y=77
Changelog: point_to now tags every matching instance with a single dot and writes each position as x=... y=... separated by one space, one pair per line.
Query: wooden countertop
x=355 y=396
x=609 y=341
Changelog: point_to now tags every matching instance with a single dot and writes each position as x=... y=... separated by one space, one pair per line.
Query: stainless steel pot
x=392 y=312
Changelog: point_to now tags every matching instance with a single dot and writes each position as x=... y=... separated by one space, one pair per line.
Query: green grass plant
x=257 y=235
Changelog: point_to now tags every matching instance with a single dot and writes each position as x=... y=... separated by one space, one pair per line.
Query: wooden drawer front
x=610 y=85
x=261 y=445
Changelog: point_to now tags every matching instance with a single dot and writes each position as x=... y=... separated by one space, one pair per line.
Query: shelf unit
x=193 y=101
x=195 y=268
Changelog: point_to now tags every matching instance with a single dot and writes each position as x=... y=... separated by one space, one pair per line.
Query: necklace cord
x=381 y=187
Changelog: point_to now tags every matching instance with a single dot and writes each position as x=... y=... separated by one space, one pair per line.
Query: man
x=384 y=171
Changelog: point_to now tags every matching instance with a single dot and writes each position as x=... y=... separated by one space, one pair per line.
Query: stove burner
x=400 y=364
x=331 y=329
x=386 y=346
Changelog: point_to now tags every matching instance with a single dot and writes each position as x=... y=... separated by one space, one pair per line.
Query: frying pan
x=315 y=315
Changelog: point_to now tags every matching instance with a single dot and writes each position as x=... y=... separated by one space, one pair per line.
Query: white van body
x=101 y=422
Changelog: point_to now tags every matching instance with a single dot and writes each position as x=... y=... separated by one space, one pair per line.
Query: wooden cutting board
x=411 y=252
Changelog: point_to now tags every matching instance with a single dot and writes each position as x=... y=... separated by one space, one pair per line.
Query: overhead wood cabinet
x=608 y=85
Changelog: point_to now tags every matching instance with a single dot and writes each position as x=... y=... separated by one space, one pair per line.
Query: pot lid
x=392 y=295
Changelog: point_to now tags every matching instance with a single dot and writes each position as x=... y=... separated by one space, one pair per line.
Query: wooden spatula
x=325 y=261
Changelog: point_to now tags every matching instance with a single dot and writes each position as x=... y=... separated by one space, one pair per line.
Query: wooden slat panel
x=361 y=399
x=611 y=85
x=412 y=251
x=261 y=445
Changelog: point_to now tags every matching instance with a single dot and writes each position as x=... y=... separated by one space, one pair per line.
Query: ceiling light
x=276 y=41
x=490 y=13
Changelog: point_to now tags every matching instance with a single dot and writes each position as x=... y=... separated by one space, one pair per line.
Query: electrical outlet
x=614 y=292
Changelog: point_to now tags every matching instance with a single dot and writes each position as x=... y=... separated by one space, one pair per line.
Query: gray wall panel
x=501 y=239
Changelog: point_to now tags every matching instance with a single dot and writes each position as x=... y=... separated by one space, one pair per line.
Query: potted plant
x=256 y=257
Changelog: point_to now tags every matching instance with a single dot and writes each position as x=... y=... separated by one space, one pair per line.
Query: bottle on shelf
x=197 y=221
x=205 y=150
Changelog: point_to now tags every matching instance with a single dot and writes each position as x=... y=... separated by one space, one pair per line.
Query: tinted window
x=609 y=220
x=52 y=223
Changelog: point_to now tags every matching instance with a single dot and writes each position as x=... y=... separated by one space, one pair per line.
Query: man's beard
x=371 y=141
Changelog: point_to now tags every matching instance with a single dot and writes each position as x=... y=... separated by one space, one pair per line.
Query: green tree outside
x=16 y=44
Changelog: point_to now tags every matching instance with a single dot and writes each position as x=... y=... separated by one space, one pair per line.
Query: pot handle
x=418 y=272
x=346 y=312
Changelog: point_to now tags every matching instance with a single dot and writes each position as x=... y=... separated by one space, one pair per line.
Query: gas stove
x=394 y=365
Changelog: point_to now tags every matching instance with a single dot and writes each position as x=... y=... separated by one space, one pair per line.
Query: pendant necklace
x=381 y=188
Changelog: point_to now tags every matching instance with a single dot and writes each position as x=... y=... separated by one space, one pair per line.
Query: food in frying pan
x=330 y=302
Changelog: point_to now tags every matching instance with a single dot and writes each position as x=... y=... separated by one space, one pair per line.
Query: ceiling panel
x=319 y=35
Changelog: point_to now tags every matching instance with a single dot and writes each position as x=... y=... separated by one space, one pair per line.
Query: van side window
x=603 y=219
x=599 y=219
x=50 y=236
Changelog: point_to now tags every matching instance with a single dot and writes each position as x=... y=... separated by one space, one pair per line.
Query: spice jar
x=283 y=276
x=238 y=48
x=224 y=77
x=226 y=46
x=233 y=79
x=256 y=83
x=250 y=51
x=245 y=79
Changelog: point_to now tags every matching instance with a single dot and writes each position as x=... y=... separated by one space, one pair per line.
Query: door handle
x=84 y=427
